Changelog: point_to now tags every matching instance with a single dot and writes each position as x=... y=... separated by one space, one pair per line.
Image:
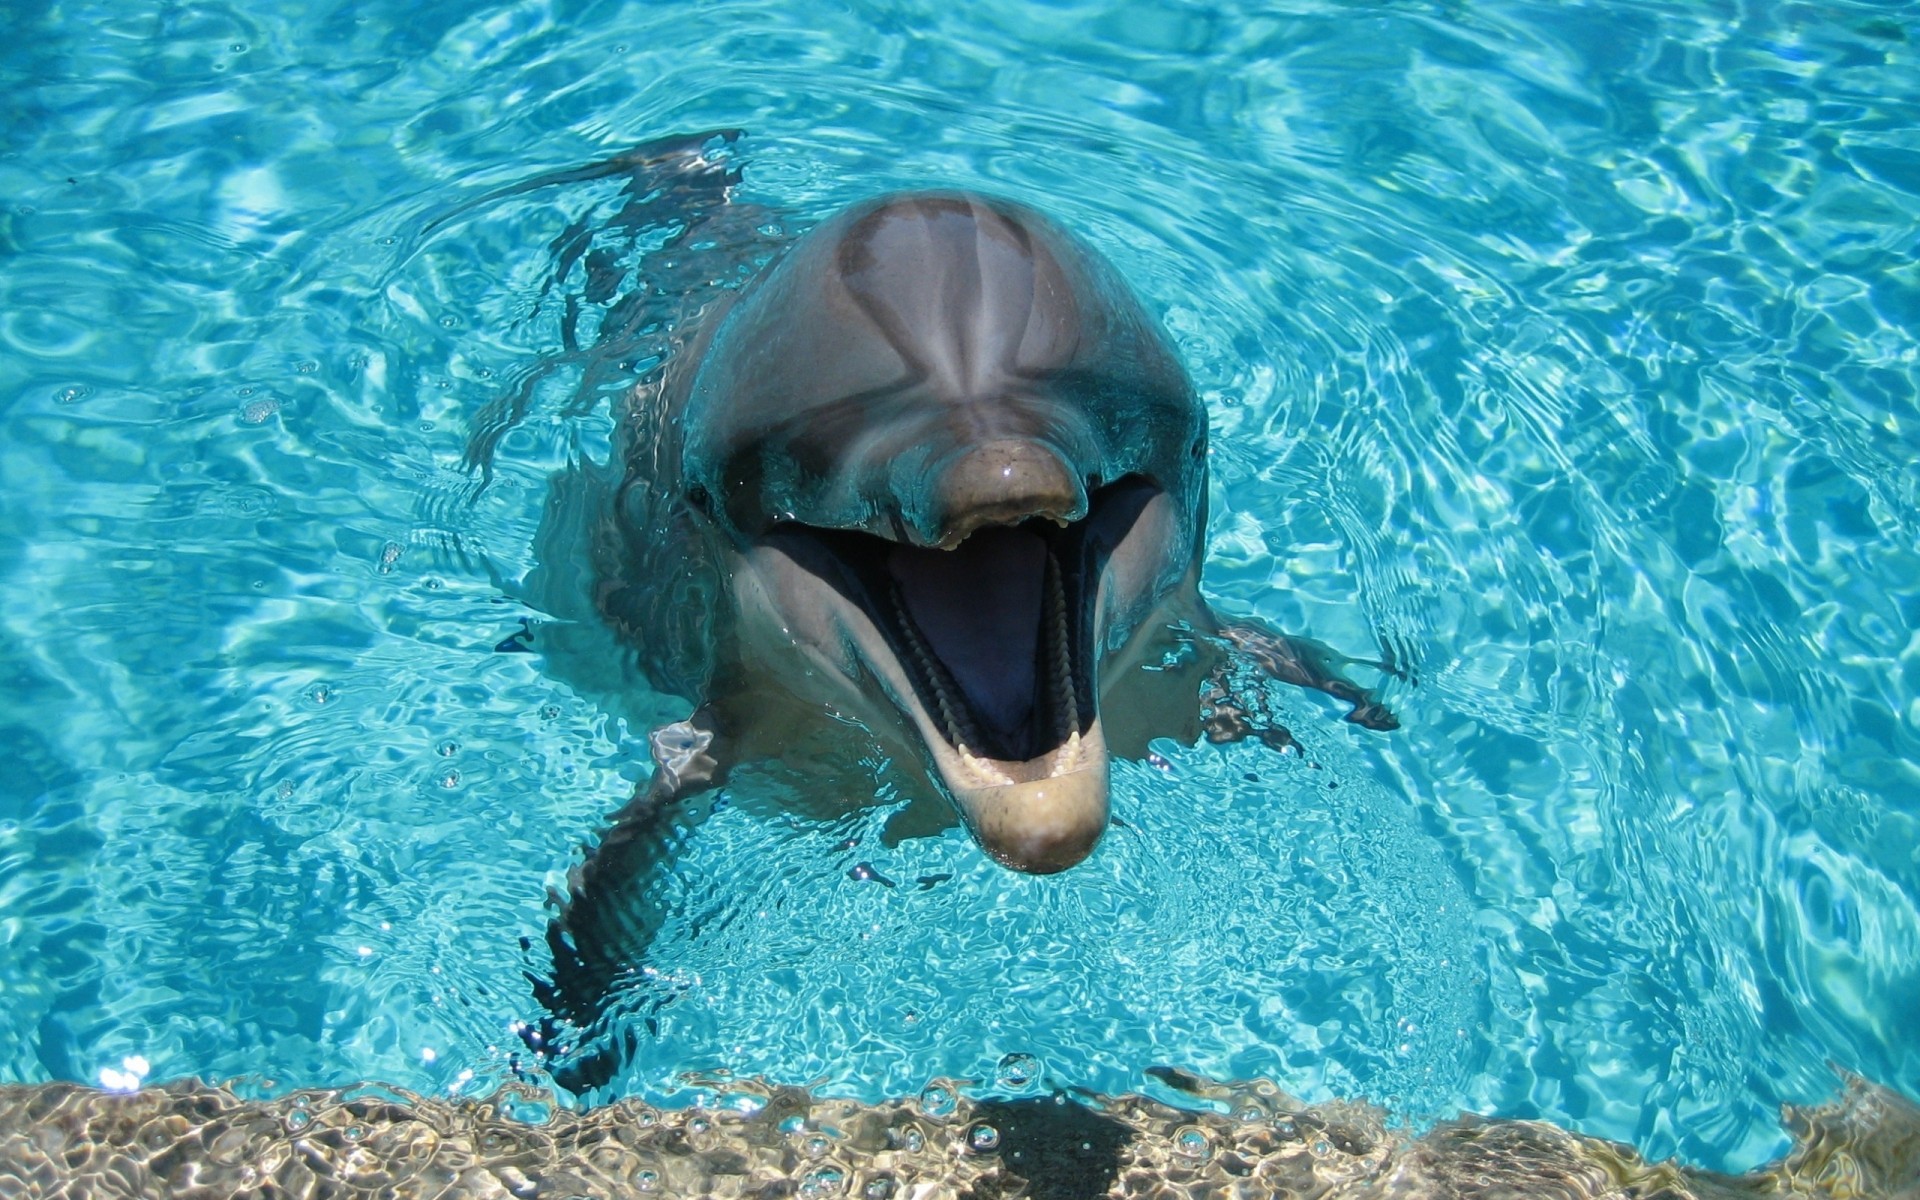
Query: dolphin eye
x=1199 y=447
x=697 y=496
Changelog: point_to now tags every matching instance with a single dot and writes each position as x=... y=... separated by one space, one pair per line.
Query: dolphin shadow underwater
x=928 y=469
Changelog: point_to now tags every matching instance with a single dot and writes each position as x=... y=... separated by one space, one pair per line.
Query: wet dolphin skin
x=956 y=469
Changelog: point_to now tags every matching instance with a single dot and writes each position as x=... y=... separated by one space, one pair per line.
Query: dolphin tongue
x=978 y=606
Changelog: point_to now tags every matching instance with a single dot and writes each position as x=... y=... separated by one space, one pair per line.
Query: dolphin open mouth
x=989 y=650
x=990 y=633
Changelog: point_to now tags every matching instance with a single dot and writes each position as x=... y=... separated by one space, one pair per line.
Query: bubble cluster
x=1017 y=1072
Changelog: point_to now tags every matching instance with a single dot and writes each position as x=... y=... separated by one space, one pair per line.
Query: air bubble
x=823 y=1181
x=259 y=412
x=817 y=1146
x=984 y=1138
x=447 y=749
x=319 y=693
x=72 y=395
x=937 y=1100
x=878 y=1188
x=450 y=779
x=1017 y=1071
x=1191 y=1141
x=647 y=1181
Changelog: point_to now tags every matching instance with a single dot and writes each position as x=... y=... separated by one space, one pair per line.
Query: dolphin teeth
x=954 y=722
x=985 y=772
x=1066 y=702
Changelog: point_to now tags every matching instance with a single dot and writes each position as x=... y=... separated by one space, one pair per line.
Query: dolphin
x=936 y=472
x=956 y=470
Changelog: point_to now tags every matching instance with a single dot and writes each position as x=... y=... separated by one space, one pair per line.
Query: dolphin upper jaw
x=1000 y=482
x=1038 y=815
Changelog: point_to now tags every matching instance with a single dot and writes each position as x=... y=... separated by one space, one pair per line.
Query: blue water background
x=1569 y=351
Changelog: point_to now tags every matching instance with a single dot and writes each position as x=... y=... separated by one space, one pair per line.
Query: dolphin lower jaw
x=1039 y=814
x=1044 y=823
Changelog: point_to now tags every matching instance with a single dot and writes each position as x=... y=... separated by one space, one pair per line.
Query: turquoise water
x=1569 y=352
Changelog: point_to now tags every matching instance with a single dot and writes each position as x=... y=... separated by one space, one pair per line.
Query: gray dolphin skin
x=957 y=470
x=933 y=472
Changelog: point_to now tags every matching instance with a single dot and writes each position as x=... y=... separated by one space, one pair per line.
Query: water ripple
x=1566 y=355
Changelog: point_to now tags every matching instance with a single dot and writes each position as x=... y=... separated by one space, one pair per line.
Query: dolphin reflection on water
x=931 y=470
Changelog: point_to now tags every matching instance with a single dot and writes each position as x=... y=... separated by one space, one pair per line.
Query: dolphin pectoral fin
x=1224 y=719
x=1305 y=663
x=686 y=759
x=609 y=916
x=606 y=920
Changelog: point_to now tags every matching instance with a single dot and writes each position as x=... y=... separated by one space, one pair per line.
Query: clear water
x=1571 y=351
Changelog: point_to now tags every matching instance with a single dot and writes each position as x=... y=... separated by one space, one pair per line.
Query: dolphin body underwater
x=934 y=471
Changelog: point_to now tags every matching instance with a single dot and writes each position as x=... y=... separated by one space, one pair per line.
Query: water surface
x=1568 y=352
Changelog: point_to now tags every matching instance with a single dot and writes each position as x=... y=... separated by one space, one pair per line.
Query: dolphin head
x=958 y=468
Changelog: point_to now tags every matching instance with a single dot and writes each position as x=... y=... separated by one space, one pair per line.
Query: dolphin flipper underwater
x=931 y=469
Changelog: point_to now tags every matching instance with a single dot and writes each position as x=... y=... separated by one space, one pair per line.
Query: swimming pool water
x=1567 y=351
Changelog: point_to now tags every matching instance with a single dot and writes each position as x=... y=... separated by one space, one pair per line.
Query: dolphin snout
x=1000 y=482
x=1044 y=825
